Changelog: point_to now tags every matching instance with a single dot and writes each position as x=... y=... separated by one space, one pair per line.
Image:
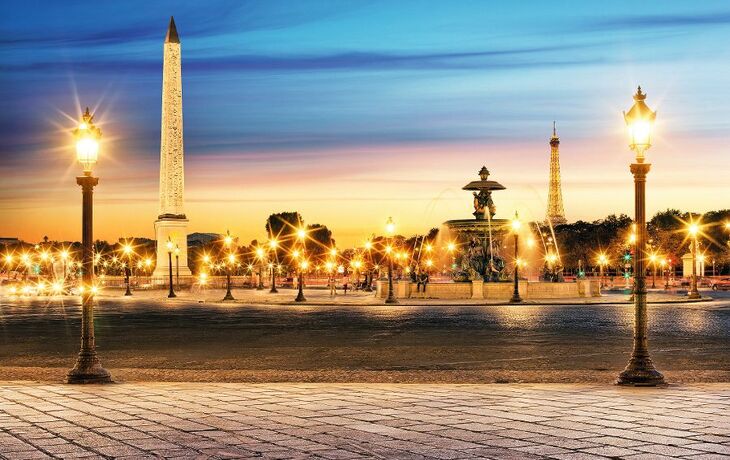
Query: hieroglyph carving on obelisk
x=171 y=224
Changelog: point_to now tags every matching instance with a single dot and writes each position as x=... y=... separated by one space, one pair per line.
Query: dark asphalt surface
x=142 y=333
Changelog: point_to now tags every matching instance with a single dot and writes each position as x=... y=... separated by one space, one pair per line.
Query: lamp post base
x=88 y=370
x=300 y=298
x=515 y=299
x=694 y=295
x=391 y=300
x=640 y=374
x=228 y=296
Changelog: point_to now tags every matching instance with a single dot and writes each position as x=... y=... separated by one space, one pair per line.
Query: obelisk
x=171 y=223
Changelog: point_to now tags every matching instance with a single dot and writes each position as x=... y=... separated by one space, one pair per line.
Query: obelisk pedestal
x=171 y=223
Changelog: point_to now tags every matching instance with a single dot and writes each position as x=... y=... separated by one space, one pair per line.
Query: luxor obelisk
x=171 y=223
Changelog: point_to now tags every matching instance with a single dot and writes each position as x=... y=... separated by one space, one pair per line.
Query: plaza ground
x=353 y=421
x=270 y=338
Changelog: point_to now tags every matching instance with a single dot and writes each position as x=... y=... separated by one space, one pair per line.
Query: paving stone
x=354 y=421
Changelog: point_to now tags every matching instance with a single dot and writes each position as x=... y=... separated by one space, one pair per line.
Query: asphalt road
x=564 y=342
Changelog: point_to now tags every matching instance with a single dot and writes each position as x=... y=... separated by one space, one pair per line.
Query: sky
x=350 y=112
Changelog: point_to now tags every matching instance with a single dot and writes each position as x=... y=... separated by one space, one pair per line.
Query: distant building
x=9 y=241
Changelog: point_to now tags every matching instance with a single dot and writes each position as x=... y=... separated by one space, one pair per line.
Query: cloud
x=655 y=21
x=354 y=60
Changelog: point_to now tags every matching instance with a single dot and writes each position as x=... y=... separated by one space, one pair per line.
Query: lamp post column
x=694 y=293
x=171 y=294
x=88 y=368
x=300 y=295
x=391 y=294
x=273 y=289
x=229 y=295
x=516 y=292
x=640 y=371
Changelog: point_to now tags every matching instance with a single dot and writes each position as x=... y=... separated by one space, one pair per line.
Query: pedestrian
x=344 y=285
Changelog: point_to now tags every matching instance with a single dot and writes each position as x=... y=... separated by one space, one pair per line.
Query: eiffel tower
x=555 y=211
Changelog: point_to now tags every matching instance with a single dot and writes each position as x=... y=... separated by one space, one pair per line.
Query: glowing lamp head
x=273 y=244
x=148 y=262
x=333 y=252
x=304 y=264
x=640 y=122
x=429 y=247
x=228 y=239
x=8 y=259
x=602 y=259
x=87 y=142
x=170 y=245
x=231 y=258
x=652 y=258
x=369 y=244
x=295 y=254
x=388 y=249
x=429 y=263
x=516 y=224
x=260 y=252
x=127 y=249
x=693 y=229
x=301 y=233
x=632 y=238
x=390 y=226
x=64 y=254
x=451 y=247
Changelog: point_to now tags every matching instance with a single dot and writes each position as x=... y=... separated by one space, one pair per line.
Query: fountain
x=482 y=236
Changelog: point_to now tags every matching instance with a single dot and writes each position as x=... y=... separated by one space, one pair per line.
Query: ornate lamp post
x=602 y=261
x=640 y=369
x=170 y=248
x=390 y=231
x=260 y=255
x=693 y=229
x=301 y=235
x=88 y=368
x=652 y=261
x=369 y=271
x=177 y=267
x=516 y=224
x=272 y=245
x=127 y=249
x=228 y=241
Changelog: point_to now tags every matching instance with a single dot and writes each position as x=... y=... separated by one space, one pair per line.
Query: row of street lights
x=639 y=371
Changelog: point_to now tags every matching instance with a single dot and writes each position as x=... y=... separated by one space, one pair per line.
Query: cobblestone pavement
x=348 y=421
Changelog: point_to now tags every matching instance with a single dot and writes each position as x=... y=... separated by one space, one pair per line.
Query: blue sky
x=353 y=111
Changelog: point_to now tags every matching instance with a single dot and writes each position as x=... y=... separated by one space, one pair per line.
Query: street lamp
x=170 y=248
x=390 y=231
x=127 y=249
x=260 y=256
x=272 y=245
x=652 y=261
x=602 y=262
x=301 y=235
x=640 y=370
x=228 y=241
x=87 y=368
x=516 y=224
x=693 y=229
